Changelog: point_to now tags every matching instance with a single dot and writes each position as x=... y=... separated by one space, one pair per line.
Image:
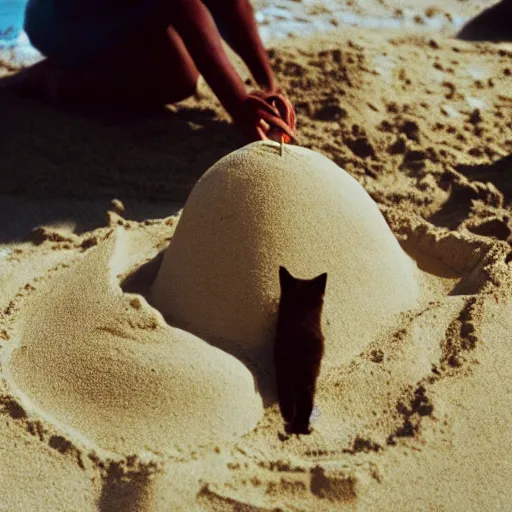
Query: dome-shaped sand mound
x=106 y=365
x=255 y=210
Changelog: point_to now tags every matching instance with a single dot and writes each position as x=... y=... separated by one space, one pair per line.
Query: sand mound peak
x=105 y=365
x=255 y=210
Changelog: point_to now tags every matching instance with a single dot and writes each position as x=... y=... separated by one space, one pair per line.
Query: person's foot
x=37 y=81
x=14 y=82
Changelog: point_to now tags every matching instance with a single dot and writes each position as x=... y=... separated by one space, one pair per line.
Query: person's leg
x=240 y=30
x=153 y=67
x=31 y=81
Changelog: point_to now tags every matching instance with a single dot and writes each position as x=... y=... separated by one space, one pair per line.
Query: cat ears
x=284 y=275
x=318 y=283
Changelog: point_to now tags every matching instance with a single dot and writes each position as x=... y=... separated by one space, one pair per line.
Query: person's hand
x=249 y=119
x=253 y=129
x=266 y=116
x=287 y=114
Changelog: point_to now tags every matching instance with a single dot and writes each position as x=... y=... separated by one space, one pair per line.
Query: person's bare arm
x=244 y=38
x=195 y=25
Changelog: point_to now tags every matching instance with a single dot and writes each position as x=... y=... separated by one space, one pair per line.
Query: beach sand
x=135 y=328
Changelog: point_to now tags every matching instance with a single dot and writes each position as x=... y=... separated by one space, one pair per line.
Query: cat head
x=307 y=292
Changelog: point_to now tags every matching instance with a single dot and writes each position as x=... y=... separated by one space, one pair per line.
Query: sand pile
x=256 y=210
x=106 y=366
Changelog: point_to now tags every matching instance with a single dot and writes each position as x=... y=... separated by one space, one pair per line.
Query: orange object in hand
x=277 y=111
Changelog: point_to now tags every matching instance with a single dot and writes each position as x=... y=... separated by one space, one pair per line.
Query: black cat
x=299 y=347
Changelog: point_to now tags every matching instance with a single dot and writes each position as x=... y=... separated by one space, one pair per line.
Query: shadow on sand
x=458 y=206
x=69 y=165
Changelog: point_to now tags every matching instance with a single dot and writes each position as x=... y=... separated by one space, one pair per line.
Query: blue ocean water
x=11 y=21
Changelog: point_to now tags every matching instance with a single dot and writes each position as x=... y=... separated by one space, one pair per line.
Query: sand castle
x=106 y=367
x=255 y=210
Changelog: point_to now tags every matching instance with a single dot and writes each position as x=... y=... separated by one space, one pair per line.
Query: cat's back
x=299 y=339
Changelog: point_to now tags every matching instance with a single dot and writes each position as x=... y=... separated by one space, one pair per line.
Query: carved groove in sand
x=255 y=210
